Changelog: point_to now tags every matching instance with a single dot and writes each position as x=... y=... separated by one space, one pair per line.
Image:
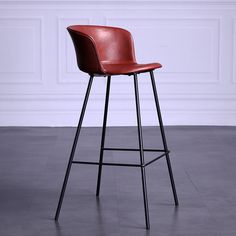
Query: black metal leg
x=140 y=138
x=103 y=135
x=73 y=148
x=164 y=138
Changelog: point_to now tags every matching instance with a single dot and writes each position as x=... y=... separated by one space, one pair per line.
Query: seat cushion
x=128 y=68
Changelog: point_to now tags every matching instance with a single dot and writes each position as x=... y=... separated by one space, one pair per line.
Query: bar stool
x=108 y=51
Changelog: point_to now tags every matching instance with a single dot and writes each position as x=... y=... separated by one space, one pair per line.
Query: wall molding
x=121 y=96
x=234 y=53
x=185 y=20
x=28 y=77
x=54 y=119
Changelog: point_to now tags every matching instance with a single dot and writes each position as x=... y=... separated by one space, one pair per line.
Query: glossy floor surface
x=32 y=167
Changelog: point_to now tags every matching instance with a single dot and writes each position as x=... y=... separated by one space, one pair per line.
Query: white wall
x=194 y=40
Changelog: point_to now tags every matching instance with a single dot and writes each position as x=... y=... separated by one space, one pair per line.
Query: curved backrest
x=98 y=45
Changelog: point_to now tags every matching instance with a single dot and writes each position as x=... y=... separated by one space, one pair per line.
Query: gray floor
x=32 y=167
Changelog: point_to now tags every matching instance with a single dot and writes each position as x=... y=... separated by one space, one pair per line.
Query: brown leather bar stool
x=108 y=51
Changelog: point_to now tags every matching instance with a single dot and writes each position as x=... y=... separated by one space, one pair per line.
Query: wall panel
x=234 y=52
x=20 y=50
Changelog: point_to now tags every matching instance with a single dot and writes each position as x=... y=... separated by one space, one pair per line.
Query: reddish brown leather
x=106 y=50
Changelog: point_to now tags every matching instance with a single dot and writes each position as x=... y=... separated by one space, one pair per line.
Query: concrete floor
x=32 y=167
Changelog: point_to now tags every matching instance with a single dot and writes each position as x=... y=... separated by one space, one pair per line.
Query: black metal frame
x=164 y=152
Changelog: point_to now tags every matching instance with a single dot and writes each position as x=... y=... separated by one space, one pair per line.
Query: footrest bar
x=132 y=149
x=106 y=163
x=119 y=164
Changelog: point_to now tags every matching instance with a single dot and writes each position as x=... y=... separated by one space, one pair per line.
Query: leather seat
x=127 y=69
x=103 y=50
